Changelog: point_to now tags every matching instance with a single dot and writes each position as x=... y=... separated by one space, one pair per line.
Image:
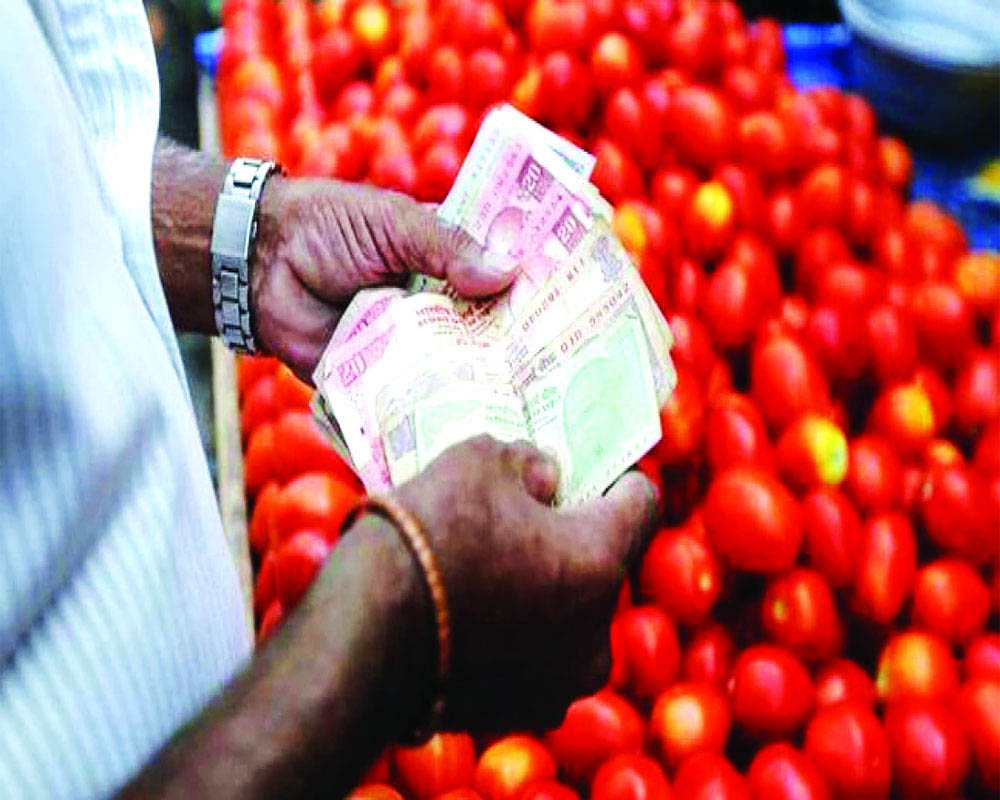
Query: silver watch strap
x=234 y=231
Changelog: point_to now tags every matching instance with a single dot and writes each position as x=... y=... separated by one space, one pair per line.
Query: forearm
x=348 y=672
x=186 y=184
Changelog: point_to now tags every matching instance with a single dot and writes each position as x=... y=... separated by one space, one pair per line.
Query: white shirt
x=120 y=612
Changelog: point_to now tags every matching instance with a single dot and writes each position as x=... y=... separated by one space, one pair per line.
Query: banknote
x=574 y=355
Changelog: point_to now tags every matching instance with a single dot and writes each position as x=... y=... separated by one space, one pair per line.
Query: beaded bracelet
x=413 y=535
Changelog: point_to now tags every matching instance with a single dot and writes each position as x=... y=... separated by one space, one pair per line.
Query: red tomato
x=982 y=657
x=708 y=776
x=681 y=575
x=863 y=212
x=812 y=452
x=315 y=500
x=265 y=589
x=844 y=284
x=928 y=748
x=448 y=122
x=258 y=405
x=818 y=249
x=445 y=761
x=780 y=772
x=355 y=99
x=250 y=369
x=842 y=679
x=630 y=123
x=823 y=195
x=886 y=565
x=874 y=474
x=783 y=221
x=977 y=391
x=644 y=650
x=552 y=25
x=258 y=460
x=401 y=102
x=378 y=772
x=289 y=392
x=733 y=305
x=689 y=718
x=437 y=170
x=547 y=790
x=595 y=729
x=630 y=776
x=836 y=336
x=847 y=744
x=895 y=164
x=978 y=702
x=785 y=380
x=270 y=621
x=260 y=519
x=336 y=59
x=565 y=95
x=300 y=446
x=762 y=142
x=735 y=433
x=673 y=186
x=832 y=535
x=682 y=420
x=692 y=347
x=950 y=599
x=462 y=793
x=615 y=61
x=905 y=416
x=752 y=520
x=374 y=791
x=299 y=559
x=771 y=691
x=918 y=664
x=977 y=276
x=800 y=614
x=954 y=506
x=446 y=75
x=490 y=78
x=394 y=169
x=615 y=174
x=709 y=655
x=509 y=764
x=944 y=323
x=701 y=126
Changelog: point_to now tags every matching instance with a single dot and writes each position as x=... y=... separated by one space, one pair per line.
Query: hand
x=531 y=589
x=320 y=241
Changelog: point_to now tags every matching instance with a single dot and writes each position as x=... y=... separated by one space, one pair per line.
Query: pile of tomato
x=817 y=616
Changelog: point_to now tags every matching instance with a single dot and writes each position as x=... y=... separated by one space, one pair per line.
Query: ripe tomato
x=258 y=460
x=336 y=59
x=950 y=599
x=447 y=122
x=547 y=790
x=258 y=405
x=812 y=452
x=271 y=620
x=557 y=25
x=437 y=171
x=800 y=614
x=250 y=369
x=927 y=747
x=682 y=420
x=565 y=94
x=823 y=195
x=785 y=380
x=905 y=416
x=260 y=519
x=709 y=655
x=374 y=791
x=849 y=747
x=977 y=276
x=490 y=78
x=445 y=761
x=378 y=772
x=780 y=772
x=265 y=589
x=709 y=776
x=944 y=323
x=509 y=764
x=615 y=174
x=629 y=122
x=355 y=99
x=982 y=657
x=595 y=729
x=298 y=560
x=818 y=249
x=842 y=679
x=835 y=334
x=762 y=142
x=783 y=221
x=914 y=663
x=955 y=509
x=832 y=535
x=689 y=718
x=315 y=500
x=770 y=690
x=735 y=433
x=887 y=562
x=630 y=776
x=895 y=164
x=752 y=520
x=681 y=575
x=733 y=304
x=977 y=391
x=644 y=651
x=978 y=702
x=673 y=186
x=701 y=126
x=874 y=474
x=615 y=61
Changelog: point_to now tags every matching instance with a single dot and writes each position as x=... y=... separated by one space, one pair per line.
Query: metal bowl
x=932 y=67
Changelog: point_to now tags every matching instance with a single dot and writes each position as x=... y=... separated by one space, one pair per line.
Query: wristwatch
x=234 y=233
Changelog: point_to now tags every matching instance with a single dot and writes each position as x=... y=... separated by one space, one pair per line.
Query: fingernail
x=542 y=476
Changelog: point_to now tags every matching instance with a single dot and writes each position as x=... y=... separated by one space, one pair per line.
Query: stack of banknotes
x=574 y=356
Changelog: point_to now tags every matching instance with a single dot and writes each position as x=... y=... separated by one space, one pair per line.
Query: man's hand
x=320 y=241
x=531 y=589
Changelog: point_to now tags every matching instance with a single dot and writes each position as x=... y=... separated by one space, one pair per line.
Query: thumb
x=626 y=514
x=446 y=251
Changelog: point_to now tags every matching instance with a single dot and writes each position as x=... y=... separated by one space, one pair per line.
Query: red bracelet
x=413 y=534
